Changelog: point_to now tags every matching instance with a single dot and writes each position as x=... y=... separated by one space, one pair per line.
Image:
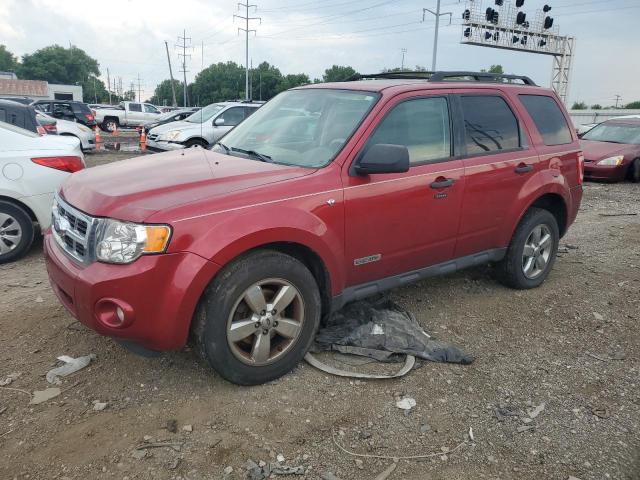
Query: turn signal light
x=157 y=238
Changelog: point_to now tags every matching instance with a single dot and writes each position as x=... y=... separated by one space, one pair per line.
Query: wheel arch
x=24 y=206
x=196 y=137
x=556 y=205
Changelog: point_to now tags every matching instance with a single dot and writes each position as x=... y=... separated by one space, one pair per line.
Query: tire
x=16 y=232
x=195 y=142
x=634 y=171
x=512 y=269
x=224 y=306
x=108 y=124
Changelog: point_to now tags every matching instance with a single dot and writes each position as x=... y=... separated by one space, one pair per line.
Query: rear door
x=399 y=222
x=500 y=166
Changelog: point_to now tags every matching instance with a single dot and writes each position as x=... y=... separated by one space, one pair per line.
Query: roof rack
x=454 y=76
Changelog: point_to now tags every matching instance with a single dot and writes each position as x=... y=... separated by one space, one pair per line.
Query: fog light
x=114 y=313
x=120 y=314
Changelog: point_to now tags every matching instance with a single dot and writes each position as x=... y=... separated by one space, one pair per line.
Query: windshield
x=166 y=115
x=305 y=128
x=614 y=133
x=205 y=114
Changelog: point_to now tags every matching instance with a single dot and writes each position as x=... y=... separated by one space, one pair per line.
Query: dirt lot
x=572 y=345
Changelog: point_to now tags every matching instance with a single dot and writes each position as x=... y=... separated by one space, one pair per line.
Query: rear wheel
x=110 y=124
x=532 y=251
x=258 y=318
x=16 y=232
x=634 y=171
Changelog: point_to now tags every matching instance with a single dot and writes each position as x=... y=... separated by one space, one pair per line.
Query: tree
x=633 y=105
x=8 y=61
x=218 y=82
x=293 y=80
x=266 y=81
x=57 y=64
x=162 y=95
x=493 y=69
x=338 y=73
x=579 y=106
x=596 y=106
x=94 y=90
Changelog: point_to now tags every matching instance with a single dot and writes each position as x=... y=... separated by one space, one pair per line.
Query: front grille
x=73 y=230
x=153 y=136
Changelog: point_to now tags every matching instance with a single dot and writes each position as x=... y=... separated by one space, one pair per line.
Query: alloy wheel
x=10 y=233
x=537 y=251
x=265 y=322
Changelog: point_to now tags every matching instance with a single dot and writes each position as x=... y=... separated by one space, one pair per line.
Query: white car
x=32 y=167
x=588 y=126
x=203 y=128
x=84 y=134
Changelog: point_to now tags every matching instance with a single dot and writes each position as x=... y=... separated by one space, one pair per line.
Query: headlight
x=170 y=136
x=123 y=242
x=612 y=161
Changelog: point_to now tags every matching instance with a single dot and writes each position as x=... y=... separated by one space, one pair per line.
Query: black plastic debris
x=381 y=329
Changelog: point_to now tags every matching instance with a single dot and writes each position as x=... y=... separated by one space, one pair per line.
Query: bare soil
x=572 y=345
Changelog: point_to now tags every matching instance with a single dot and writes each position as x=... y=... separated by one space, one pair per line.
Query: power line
x=184 y=56
x=246 y=31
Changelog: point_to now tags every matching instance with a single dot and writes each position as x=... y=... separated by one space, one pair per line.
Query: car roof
x=395 y=86
x=624 y=121
x=11 y=103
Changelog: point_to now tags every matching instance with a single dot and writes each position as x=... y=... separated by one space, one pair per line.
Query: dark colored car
x=327 y=194
x=23 y=100
x=67 y=110
x=20 y=115
x=168 y=117
x=612 y=151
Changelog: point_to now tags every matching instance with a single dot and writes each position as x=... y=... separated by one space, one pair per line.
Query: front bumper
x=593 y=171
x=163 y=146
x=159 y=294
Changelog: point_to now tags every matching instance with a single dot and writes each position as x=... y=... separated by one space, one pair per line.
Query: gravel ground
x=554 y=392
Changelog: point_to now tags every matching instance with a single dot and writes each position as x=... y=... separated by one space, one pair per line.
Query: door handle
x=523 y=168
x=442 y=182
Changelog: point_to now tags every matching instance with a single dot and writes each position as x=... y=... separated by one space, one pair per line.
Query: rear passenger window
x=548 y=117
x=421 y=125
x=490 y=125
x=135 y=107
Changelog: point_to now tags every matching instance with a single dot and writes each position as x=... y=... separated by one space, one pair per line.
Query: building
x=12 y=87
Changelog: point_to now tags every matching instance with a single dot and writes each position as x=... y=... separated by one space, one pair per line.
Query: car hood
x=595 y=151
x=179 y=125
x=136 y=188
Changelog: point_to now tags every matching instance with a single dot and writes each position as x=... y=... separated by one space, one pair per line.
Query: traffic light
x=466 y=14
x=467 y=32
x=542 y=43
x=491 y=15
x=499 y=2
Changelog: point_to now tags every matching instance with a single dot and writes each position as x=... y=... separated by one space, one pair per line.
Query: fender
x=228 y=235
x=542 y=183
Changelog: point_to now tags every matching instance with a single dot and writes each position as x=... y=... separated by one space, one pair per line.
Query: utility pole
x=95 y=93
x=437 y=14
x=618 y=98
x=139 y=90
x=173 y=86
x=184 y=56
x=404 y=50
x=246 y=31
x=109 y=85
x=132 y=89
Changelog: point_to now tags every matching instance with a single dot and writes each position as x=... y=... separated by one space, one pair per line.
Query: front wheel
x=532 y=251
x=257 y=319
x=194 y=143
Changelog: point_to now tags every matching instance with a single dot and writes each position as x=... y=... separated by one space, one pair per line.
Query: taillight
x=41 y=131
x=66 y=164
x=89 y=117
x=580 y=168
x=51 y=129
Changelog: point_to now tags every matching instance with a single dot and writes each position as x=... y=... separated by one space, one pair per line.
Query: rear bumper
x=158 y=294
x=592 y=171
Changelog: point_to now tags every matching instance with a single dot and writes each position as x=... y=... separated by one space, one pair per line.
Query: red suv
x=327 y=194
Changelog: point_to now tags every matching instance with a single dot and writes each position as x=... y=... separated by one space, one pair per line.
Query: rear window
x=80 y=108
x=490 y=125
x=548 y=117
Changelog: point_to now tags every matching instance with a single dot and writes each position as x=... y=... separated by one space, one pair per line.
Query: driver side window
x=421 y=125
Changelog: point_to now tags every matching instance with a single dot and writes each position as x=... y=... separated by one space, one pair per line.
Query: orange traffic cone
x=98 y=138
x=143 y=140
x=115 y=130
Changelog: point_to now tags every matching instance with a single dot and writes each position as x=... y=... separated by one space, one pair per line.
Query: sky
x=307 y=36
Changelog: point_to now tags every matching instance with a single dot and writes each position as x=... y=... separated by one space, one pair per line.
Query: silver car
x=203 y=128
x=83 y=133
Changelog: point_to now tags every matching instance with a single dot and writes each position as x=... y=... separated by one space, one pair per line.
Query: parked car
x=84 y=134
x=33 y=168
x=127 y=114
x=72 y=111
x=584 y=128
x=21 y=115
x=168 y=117
x=23 y=100
x=48 y=123
x=612 y=150
x=201 y=129
x=247 y=245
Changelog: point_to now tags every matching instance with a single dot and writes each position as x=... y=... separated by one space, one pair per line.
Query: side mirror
x=218 y=122
x=383 y=158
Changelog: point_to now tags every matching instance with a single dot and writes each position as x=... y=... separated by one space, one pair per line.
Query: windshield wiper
x=253 y=153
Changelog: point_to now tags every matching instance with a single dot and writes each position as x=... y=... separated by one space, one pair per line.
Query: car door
x=63 y=111
x=405 y=221
x=135 y=115
x=226 y=120
x=151 y=113
x=499 y=163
